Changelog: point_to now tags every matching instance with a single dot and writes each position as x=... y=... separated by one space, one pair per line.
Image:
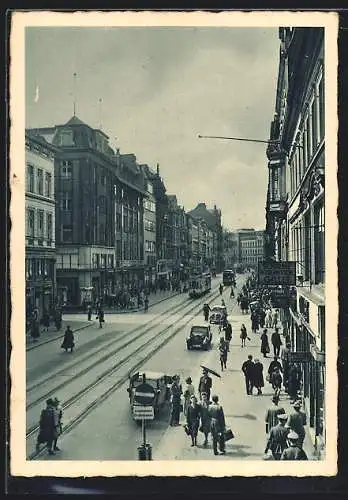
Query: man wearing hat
x=205 y=384
x=59 y=411
x=294 y=450
x=297 y=420
x=176 y=392
x=272 y=413
x=277 y=440
x=48 y=426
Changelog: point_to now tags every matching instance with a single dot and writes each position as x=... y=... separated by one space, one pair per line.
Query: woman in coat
x=68 y=342
x=258 y=376
x=189 y=391
x=243 y=334
x=264 y=343
x=193 y=417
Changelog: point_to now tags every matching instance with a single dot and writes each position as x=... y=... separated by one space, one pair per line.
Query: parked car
x=200 y=336
x=158 y=380
x=217 y=314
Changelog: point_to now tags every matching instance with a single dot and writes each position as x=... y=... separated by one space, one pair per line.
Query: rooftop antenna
x=100 y=103
x=74 y=93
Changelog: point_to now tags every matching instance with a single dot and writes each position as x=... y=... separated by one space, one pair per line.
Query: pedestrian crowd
x=202 y=411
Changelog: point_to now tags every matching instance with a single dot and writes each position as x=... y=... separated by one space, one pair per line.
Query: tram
x=199 y=284
x=228 y=277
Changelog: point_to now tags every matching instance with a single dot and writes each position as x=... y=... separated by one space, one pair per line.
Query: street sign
x=144 y=394
x=141 y=412
x=277 y=272
x=299 y=357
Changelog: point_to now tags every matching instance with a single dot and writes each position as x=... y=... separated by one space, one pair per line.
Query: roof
x=151 y=375
x=74 y=120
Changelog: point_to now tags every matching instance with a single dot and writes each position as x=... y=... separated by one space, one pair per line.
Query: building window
x=307 y=243
x=65 y=201
x=40 y=181
x=66 y=138
x=315 y=135
x=31 y=222
x=40 y=223
x=66 y=169
x=321 y=326
x=150 y=187
x=319 y=244
x=30 y=179
x=49 y=226
x=67 y=234
x=118 y=222
x=48 y=185
x=309 y=137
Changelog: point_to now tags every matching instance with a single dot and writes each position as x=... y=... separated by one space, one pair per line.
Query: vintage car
x=217 y=314
x=159 y=381
x=200 y=336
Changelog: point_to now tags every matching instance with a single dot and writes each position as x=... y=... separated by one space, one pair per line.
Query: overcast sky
x=160 y=88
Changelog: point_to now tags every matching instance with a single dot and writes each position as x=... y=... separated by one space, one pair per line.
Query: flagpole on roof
x=74 y=93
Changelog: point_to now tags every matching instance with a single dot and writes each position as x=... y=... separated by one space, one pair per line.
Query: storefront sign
x=299 y=357
x=277 y=273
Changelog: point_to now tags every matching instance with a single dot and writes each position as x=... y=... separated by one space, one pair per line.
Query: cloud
x=160 y=88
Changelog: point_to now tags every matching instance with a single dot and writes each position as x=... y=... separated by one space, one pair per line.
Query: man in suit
x=217 y=425
x=277 y=440
x=248 y=370
x=205 y=384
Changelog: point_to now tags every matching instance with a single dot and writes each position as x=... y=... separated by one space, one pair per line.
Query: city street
x=109 y=432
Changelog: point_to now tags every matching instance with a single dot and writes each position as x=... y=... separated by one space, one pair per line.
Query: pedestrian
x=46 y=320
x=276 y=342
x=276 y=381
x=228 y=334
x=285 y=357
x=273 y=365
x=146 y=303
x=189 y=391
x=248 y=370
x=193 y=418
x=231 y=292
x=58 y=319
x=294 y=382
x=294 y=451
x=258 y=381
x=68 y=342
x=206 y=310
x=49 y=424
x=89 y=312
x=275 y=318
x=272 y=413
x=35 y=329
x=205 y=384
x=223 y=303
x=217 y=425
x=262 y=317
x=176 y=392
x=254 y=321
x=58 y=408
x=264 y=343
x=277 y=440
x=268 y=318
x=297 y=420
x=222 y=348
x=101 y=317
x=243 y=334
x=221 y=288
x=205 y=418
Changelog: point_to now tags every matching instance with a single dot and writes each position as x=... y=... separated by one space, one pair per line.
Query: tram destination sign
x=276 y=273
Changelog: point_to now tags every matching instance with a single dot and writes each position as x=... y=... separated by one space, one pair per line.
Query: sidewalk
x=244 y=414
x=53 y=333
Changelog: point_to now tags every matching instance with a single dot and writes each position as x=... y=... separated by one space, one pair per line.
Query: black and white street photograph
x=173 y=243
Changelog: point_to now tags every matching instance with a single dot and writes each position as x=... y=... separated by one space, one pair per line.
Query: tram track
x=123 y=362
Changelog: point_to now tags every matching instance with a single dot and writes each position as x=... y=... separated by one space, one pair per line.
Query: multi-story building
x=40 y=252
x=150 y=259
x=99 y=214
x=212 y=218
x=295 y=205
x=251 y=247
x=162 y=210
x=177 y=237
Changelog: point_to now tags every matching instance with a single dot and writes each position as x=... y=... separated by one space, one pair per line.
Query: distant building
x=40 y=251
x=177 y=238
x=230 y=249
x=251 y=247
x=212 y=218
